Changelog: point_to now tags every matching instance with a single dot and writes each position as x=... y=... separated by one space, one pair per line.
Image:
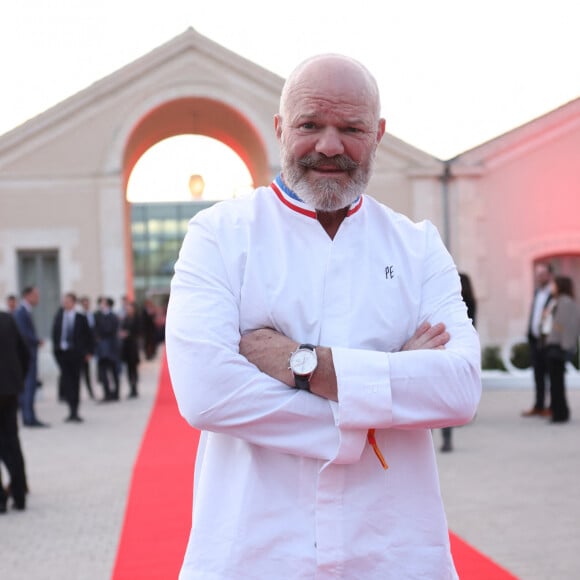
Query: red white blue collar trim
x=291 y=200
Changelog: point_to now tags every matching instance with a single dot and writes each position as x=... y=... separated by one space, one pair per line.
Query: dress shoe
x=19 y=505
x=546 y=412
x=446 y=447
x=533 y=413
x=109 y=398
x=74 y=419
x=35 y=423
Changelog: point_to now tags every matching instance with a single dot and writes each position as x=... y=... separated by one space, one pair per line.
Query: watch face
x=303 y=361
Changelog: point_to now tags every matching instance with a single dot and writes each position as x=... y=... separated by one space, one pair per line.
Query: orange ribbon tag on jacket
x=373 y=443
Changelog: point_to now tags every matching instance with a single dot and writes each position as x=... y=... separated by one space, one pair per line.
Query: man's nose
x=330 y=142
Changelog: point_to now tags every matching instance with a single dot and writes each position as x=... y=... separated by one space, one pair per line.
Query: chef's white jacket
x=286 y=485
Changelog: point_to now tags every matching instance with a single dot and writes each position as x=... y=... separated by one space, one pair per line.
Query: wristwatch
x=303 y=362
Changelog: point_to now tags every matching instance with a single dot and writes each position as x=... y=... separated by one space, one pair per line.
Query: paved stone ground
x=78 y=476
x=511 y=486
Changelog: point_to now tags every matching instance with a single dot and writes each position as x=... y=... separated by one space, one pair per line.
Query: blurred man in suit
x=72 y=344
x=543 y=275
x=23 y=316
x=107 y=348
x=14 y=361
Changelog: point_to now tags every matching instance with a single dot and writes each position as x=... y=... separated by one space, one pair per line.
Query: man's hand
x=428 y=337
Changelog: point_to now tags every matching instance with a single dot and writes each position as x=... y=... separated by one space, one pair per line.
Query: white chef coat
x=286 y=484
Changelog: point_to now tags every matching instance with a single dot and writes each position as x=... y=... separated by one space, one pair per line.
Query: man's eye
x=352 y=130
x=308 y=125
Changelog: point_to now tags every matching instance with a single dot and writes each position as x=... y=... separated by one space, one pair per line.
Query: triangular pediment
x=188 y=61
x=72 y=137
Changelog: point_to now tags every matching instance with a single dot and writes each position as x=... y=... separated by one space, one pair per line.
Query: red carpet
x=473 y=565
x=158 y=515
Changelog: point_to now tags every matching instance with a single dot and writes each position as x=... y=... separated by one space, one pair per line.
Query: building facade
x=65 y=223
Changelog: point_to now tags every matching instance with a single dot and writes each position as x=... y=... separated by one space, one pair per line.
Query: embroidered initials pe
x=389 y=272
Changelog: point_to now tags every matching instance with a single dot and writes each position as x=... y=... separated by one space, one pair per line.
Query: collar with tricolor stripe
x=291 y=200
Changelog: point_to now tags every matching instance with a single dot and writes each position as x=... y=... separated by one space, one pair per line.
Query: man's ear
x=381 y=130
x=278 y=126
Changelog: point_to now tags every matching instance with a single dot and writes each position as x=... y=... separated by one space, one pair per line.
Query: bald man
x=316 y=337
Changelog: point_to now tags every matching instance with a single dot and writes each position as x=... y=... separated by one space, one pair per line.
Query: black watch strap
x=302 y=382
x=308 y=346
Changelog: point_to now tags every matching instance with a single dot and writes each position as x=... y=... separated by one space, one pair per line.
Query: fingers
x=436 y=334
x=423 y=328
x=428 y=337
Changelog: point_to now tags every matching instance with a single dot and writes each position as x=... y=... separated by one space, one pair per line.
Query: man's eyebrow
x=306 y=116
x=352 y=122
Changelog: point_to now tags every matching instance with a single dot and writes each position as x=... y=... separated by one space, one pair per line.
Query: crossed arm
x=269 y=350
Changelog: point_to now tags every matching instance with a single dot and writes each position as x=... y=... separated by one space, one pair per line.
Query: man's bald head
x=328 y=67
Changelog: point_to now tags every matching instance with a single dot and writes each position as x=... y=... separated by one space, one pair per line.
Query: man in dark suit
x=107 y=348
x=72 y=343
x=14 y=361
x=25 y=323
x=543 y=277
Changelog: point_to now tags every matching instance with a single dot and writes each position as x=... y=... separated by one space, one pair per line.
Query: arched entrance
x=197 y=116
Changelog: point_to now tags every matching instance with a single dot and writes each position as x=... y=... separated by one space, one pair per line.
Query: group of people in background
x=112 y=337
x=79 y=335
x=553 y=332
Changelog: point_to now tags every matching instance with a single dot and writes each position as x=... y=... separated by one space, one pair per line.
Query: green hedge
x=491 y=359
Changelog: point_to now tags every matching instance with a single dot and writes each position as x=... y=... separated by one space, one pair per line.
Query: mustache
x=316 y=160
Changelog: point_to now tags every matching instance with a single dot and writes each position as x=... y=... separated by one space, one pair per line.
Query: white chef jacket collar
x=291 y=200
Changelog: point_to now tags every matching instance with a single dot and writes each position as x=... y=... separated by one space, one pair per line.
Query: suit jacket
x=26 y=327
x=130 y=343
x=566 y=325
x=14 y=356
x=82 y=342
x=107 y=335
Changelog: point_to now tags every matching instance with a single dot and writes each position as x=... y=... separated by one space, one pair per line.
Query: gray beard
x=329 y=194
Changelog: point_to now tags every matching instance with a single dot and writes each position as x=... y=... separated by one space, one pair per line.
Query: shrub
x=520 y=355
x=491 y=359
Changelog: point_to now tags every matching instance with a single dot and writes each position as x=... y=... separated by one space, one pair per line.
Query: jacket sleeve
x=56 y=330
x=22 y=318
x=23 y=352
x=420 y=388
x=88 y=343
x=566 y=325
